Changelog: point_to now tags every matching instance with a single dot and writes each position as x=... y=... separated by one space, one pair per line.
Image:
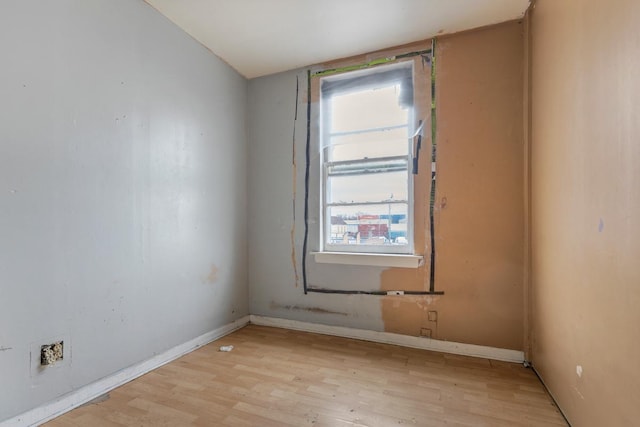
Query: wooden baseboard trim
x=473 y=350
x=91 y=391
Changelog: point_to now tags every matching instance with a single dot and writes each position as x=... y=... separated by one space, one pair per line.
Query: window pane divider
x=370 y=130
x=367 y=160
x=369 y=172
x=381 y=203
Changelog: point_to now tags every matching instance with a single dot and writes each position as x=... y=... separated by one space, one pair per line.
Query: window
x=366 y=127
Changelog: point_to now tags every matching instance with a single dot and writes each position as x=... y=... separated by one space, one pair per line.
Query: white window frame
x=325 y=223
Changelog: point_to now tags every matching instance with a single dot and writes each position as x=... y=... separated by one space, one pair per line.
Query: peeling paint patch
x=317 y=310
x=294 y=171
x=293 y=254
x=213 y=274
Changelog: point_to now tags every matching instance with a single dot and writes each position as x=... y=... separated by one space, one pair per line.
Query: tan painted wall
x=480 y=197
x=586 y=206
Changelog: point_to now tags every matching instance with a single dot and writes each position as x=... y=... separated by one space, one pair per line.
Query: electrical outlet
x=51 y=353
x=42 y=373
x=425 y=332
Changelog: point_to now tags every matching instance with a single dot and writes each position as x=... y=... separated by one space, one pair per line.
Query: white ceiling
x=260 y=37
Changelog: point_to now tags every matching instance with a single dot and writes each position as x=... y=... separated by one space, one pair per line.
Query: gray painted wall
x=274 y=290
x=122 y=191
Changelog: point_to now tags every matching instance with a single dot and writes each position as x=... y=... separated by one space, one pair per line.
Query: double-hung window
x=366 y=126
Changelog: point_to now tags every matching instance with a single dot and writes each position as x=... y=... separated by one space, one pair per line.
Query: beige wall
x=479 y=196
x=586 y=206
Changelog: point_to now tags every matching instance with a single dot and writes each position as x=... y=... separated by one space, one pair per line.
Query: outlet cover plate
x=37 y=370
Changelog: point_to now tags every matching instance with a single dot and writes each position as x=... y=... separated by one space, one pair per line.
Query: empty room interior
x=335 y=213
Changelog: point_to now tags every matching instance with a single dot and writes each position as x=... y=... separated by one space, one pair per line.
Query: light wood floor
x=276 y=377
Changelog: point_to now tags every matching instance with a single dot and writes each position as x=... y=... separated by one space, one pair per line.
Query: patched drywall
x=480 y=204
x=586 y=203
x=122 y=192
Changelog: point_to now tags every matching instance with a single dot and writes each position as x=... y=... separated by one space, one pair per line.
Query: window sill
x=371 y=259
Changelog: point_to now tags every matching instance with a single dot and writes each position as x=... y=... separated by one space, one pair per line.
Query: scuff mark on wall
x=318 y=310
x=99 y=399
x=213 y=274
x=6 y=348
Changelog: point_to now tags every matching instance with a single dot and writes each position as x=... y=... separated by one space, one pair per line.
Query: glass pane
x=368 y=225
x=393 y=142
x=367 y=109
x=367 y=188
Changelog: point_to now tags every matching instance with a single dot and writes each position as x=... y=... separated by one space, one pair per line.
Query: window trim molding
x=331 y=249
x=369 y=259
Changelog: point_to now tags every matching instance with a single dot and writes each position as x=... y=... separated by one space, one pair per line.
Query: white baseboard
x=89 y=392
x=396 y=339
